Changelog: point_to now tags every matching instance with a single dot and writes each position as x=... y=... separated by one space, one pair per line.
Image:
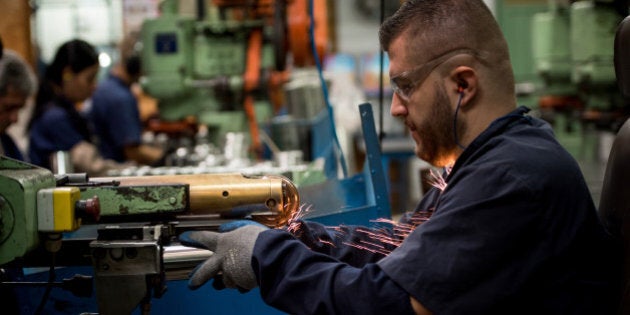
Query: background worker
x=17 y=84
x=57 y=124
x=114 y=112
x=513 y=231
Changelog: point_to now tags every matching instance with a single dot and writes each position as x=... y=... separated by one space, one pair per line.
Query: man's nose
x=398 y=107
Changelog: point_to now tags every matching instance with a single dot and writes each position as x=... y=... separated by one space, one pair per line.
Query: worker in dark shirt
x=17 y=85
x=115 y=115
x=512 y=230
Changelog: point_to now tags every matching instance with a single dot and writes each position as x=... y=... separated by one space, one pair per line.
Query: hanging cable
x=342 y=159
x=381 y=89
x=459 y=103
x=51 y=279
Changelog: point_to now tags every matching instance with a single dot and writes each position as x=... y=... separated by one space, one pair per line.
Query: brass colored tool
x=271 y=200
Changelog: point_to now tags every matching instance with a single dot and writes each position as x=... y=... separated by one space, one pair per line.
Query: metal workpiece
x=270 y=200
x=179 y=261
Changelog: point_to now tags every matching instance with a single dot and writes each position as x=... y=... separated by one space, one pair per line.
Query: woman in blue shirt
x=56 y=124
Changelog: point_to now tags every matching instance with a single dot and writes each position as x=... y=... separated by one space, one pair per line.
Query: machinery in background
x=572 y=48
x=227 y=68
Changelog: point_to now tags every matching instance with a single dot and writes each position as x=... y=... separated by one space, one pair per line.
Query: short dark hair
x=446 y=25
x=433 y=27
x=130 y=54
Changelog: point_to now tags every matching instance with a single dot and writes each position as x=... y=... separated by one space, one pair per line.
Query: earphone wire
x=459 y=103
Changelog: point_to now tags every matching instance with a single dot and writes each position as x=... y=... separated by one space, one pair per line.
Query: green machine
x=572 y=50
x=122 y=227
x=195 y=66
x=18 y=229
x=572 y=53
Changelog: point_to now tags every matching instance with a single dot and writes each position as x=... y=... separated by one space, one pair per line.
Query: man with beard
x=513 y=231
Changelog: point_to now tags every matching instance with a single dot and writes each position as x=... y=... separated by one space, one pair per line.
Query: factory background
x=576 y=92
x=27 y=28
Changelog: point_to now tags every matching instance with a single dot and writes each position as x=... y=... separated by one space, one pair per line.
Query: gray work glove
x=232 y=257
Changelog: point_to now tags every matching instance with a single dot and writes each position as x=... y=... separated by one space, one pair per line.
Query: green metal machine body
x=140 y=200
x=139 y=217
x=551 y=47
x=592 y=37
x=19 y=183
x=19 y=186
x=195 y=66
x=572 y=49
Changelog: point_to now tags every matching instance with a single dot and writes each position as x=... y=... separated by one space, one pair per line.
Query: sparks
x=369 y=249
x=294 y=223
x=437 y=180
x=378 y=241
x=382 y=237
x=329 y=243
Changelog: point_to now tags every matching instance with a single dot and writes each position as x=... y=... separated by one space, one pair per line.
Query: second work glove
x=232 y=256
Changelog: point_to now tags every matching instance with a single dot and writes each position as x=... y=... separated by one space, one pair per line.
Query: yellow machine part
x=56 y=209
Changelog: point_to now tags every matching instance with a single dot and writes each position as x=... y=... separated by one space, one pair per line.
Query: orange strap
x=251 y=79
x=299 y=23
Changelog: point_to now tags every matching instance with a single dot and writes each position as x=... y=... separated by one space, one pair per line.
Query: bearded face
x=432 y=129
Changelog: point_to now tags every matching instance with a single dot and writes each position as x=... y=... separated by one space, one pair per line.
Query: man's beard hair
x=438 y=136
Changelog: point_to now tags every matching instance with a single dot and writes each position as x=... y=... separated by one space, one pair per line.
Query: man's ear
x=464 y=82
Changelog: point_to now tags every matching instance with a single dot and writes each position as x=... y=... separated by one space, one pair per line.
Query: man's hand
x=232 y=256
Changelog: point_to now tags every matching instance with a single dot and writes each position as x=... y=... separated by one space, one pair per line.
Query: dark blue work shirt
x=515 y=231
x=10 y=148
x=55 y=130
x=115 y=118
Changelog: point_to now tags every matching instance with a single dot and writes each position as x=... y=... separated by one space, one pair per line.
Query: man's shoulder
x=109 y=89
x=532 y=143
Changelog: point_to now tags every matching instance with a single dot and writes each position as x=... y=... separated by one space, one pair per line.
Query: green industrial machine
x=572 y=48
x=20 y=183
x=551 y=50
x=572 y=53
x=195 y=65
x=123 y=227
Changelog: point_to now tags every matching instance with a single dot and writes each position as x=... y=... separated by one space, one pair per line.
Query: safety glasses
x=405 y=83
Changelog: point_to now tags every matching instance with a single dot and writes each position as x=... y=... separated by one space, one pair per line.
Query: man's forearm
x=297 y=280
